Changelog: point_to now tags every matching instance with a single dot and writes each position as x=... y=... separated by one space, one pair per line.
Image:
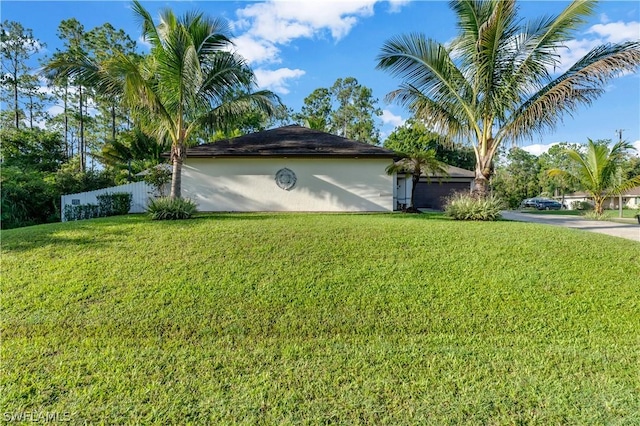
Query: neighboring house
x=630 y=199
x=432 y=193
x=289 y=168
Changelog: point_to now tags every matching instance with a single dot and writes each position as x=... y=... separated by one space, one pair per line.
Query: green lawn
x=316 y=319
x=613 y=214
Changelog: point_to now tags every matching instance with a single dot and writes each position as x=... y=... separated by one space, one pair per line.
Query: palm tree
x=316 y=123
x=191 y=80
x=418 y=163
x=597 y=170
x=494 y=82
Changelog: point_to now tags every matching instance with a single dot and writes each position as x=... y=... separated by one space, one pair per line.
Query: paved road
x=622 y=230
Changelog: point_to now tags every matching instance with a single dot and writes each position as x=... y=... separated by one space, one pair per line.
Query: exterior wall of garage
x=322 y=184
x=432 y=195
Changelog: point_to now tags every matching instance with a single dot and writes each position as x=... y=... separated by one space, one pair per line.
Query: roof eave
x=292 y=155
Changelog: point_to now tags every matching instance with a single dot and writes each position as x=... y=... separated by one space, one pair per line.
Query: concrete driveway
x=622 y=230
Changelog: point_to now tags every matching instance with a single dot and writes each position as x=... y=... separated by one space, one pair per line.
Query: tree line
x=597 y=168
x=98 y=110
x=118 y=109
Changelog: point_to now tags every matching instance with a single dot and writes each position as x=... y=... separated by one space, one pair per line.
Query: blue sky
x=295 y=47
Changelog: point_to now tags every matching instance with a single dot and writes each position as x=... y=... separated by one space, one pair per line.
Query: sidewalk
x=622 y=230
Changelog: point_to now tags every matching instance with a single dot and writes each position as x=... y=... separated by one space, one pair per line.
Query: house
x=294 y=168
x=289 y=168
x=630 y=199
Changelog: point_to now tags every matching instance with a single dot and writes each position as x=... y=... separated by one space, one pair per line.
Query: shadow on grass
x=419 y=216
x=92 y=232
x=106 y=231
x=290 y=215
x=231 y=215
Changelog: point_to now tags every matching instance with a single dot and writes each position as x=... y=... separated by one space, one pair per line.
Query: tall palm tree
x=494 y=83
x=418 y=163
x=192 y=79
x=597 y=170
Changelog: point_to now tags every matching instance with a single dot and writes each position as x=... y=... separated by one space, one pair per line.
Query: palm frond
x=426 y=67
x=443 y=118
x=225 y=73
x=542 y=40
x=418 y=163
x=597 y=168
x=580 y=85
x=149 y=30
x=226 y=114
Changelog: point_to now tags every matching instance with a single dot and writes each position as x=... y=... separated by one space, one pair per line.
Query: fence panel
x=141 y=191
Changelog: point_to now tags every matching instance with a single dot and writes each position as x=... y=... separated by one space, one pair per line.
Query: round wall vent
x=286 y=179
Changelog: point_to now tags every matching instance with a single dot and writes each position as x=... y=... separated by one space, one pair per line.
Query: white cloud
x=396 y=5
x=616 y=32
x=277 y=80
x=388 y=117
x=613 y=32
x=264 y=27
x=144 y=43
x=636 y=145
x=255 y=50
x=575 y=50
x=55 y=110
x=604 y=18
x=281 y=22
x=538 y=149
x=30 y=45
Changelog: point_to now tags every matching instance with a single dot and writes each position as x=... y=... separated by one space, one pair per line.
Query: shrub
x=581 y=205
x=465 y=206
x=109 y=204
x=81 y=212
x=593 y=215
x=158 y=176
x=113 y=204
x=165 y=208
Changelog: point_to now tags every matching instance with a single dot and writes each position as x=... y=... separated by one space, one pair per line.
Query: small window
x=75 y=202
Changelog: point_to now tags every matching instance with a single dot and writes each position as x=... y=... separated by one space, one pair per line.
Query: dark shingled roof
x=289 y=141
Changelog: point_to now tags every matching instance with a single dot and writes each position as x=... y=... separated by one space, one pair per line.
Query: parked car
x=530 y=202
x=548 y=205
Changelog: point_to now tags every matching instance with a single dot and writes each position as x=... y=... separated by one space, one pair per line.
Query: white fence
x=141 y=193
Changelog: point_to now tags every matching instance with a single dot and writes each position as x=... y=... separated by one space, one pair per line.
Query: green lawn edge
x=319 y=318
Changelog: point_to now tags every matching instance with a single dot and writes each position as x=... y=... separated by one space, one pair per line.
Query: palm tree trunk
x=414 y=180
x=598 y=202
x=176 y=179
x=483 y=174
x=177 y=158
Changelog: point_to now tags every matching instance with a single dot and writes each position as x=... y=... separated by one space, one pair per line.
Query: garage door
x=432 y=195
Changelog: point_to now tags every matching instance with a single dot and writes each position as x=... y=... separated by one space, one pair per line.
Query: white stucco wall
x=324 y=184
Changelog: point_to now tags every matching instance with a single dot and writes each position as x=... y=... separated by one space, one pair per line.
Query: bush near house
x=582 y=205
x=466 y=206
x=166 y=208
x=109 y=204
x=114 y=204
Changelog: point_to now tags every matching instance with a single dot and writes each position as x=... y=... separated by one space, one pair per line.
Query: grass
x=613 y=214
x=315 y=319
